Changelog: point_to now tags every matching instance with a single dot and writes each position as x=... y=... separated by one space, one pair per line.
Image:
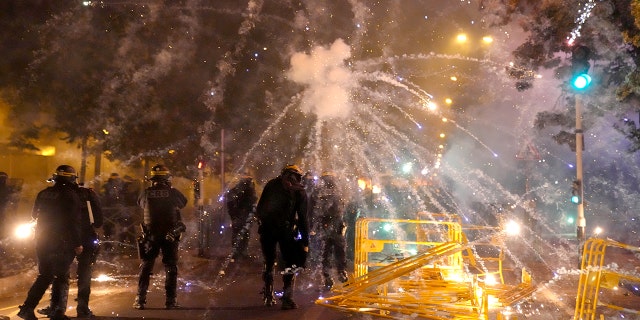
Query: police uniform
x=329 y=224
x=162 y=229
x=91 y=209
x=241 y=200
x=282 y=214
x=58 y=240
x=91 y=217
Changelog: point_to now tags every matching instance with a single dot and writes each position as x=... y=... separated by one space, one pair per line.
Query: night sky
x=359 y=88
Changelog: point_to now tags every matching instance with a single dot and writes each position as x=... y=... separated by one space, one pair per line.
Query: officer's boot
x=48 y=310
x=33 y=297
x=84 y=288
x=342 y=276
x=82 y=309
x=328 y=281
x=140 y=301
x=27 y=313
x=267 y=292
x=59 y=297
x=143 y=284
x=170 y=287
x=287 y=295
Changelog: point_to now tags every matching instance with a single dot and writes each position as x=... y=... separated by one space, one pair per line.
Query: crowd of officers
x=67 y=217
x=293 y=212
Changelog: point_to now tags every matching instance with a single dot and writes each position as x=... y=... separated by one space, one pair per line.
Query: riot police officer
x=282 y=214
x=162 y=230
x=58 y=240
x=329 y=225
x=7 y=194
x=91 y=218
x=241 y=202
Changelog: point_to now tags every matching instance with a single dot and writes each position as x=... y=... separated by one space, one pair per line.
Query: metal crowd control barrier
x=594 y=277
x=416 y=268
x=378 y=247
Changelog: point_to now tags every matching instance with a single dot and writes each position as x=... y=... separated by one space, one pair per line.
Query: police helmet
x=160 y=172
x=292 y=168
x=329 y=179
x=65 y=173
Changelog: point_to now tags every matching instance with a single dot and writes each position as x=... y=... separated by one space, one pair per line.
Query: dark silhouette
x=162 y=230
x=58 y=241
x=241 y=202
x=329 y=226
x=282 y=214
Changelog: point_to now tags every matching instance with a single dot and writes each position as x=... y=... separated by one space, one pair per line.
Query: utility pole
x=581 y=221
x=580 y=82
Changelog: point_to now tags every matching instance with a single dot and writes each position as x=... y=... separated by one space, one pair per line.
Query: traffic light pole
x=581 y=221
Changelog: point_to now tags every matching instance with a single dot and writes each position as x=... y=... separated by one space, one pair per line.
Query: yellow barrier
x=426 y=234
x=422 y=275
x=594 y=276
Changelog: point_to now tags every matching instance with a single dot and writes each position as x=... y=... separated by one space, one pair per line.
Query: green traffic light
x=581 y=81
x=575 y=199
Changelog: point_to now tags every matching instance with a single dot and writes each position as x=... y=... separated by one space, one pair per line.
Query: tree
x=112 y=81
x=611 y=31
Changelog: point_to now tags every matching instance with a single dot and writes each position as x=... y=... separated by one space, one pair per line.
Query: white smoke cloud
x=328 y=80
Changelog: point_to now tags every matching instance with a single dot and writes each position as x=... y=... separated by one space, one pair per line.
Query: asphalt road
x=209 y=288
x=216 y=287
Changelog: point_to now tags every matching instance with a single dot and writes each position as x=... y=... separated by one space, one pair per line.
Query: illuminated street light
x=487 y=39
x=461 y=38
x=48 y=151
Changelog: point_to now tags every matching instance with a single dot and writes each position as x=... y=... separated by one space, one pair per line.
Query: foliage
x=611 y=31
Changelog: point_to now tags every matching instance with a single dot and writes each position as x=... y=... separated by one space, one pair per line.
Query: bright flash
x=512 y=228
x=362 y=184
x=597 y=231
x=25 y=230
x=104 y=278
x=490 y=280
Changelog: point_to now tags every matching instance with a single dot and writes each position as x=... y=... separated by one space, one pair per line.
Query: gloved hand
x=171 y=236
x=176 y=233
